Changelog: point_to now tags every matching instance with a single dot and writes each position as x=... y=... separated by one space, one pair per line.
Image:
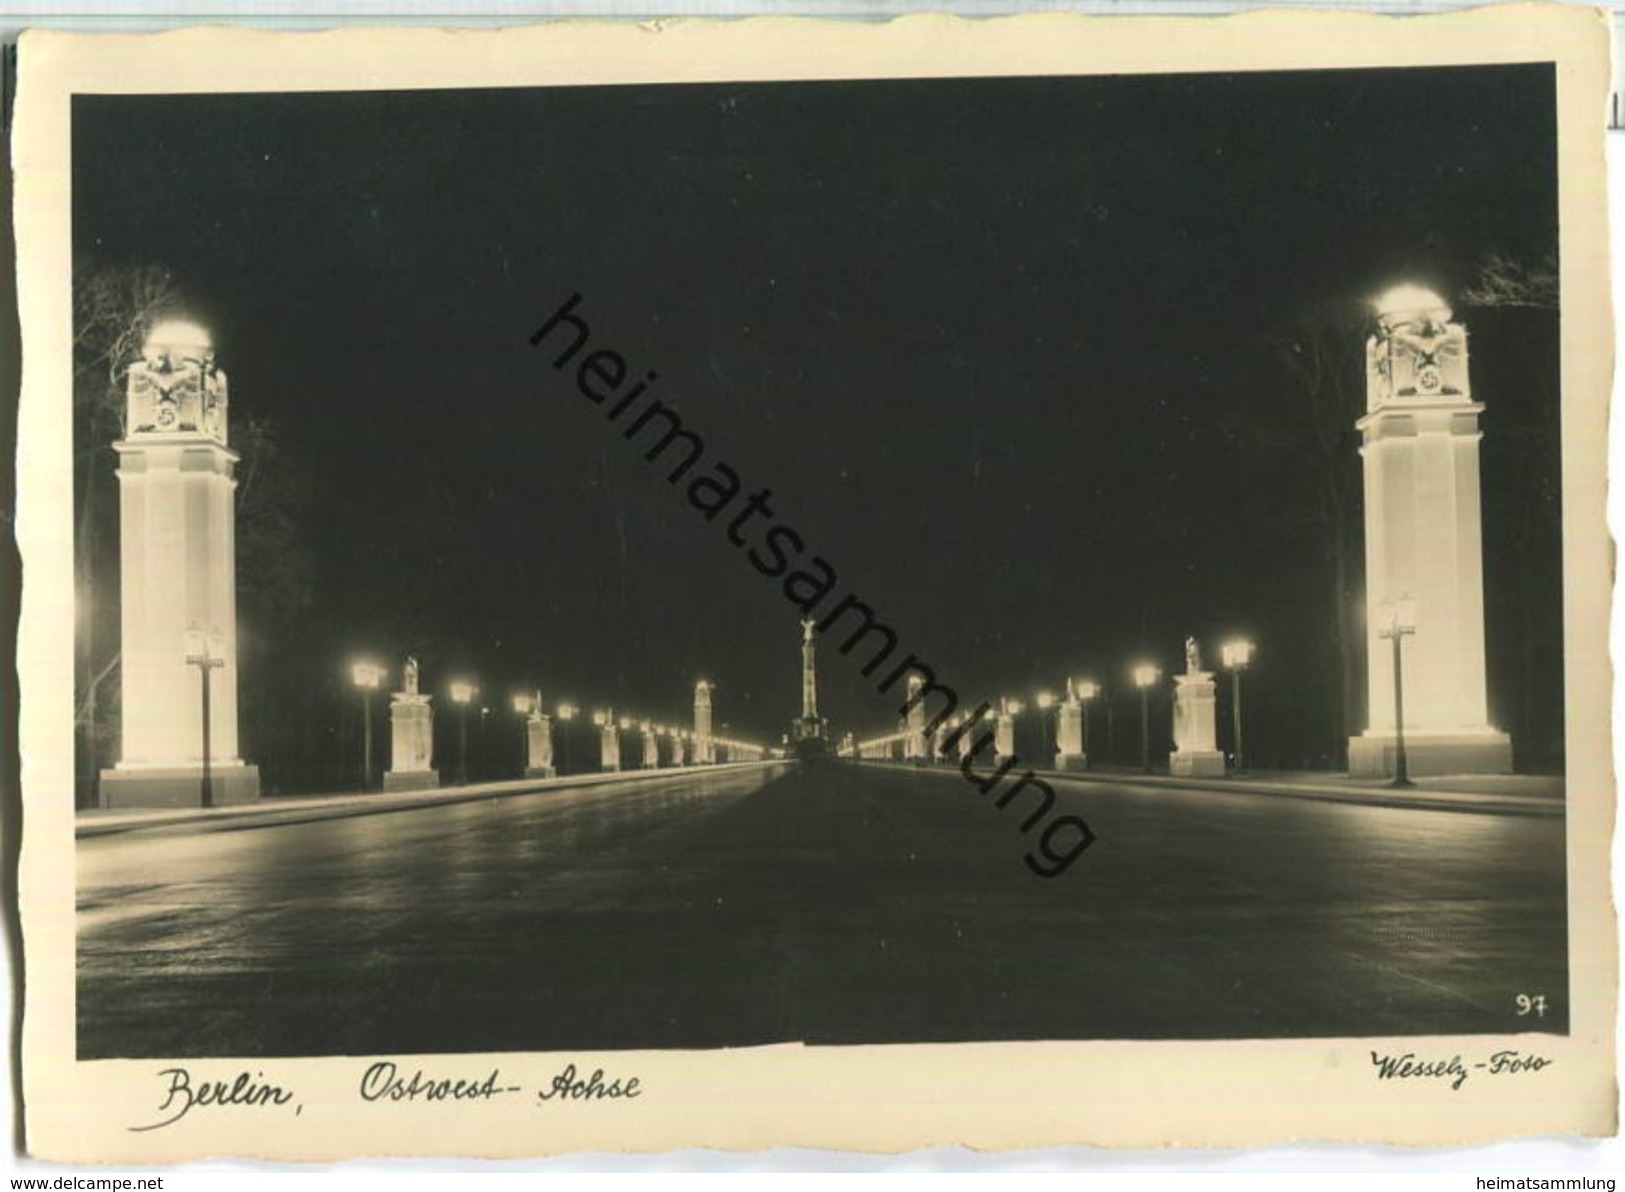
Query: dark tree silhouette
x=1515 y=310
x=1503 y=281
x=1302 y=436
x=113 y=308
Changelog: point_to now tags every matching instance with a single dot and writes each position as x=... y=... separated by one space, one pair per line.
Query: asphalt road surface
x=834 y=905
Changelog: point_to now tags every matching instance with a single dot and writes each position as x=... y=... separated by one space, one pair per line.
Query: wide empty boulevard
x=834 y=904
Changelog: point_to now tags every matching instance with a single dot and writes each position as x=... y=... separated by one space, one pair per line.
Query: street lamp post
x=1396 y=621
x=483 y=751
x=1236 y=654
x=206 y=651
x=461 y=694
x=1046 y=702
x=367 y=677
x=1144 y=677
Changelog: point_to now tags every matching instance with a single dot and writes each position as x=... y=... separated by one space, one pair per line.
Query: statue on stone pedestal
x=1193 y=656
x=409 y=673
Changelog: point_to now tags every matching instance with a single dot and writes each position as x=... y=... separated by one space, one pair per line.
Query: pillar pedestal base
x=1203 y=763
x=1431 y=754
x=540 y=772
x=1072 y=761
x=178 y=786
x=411 y=780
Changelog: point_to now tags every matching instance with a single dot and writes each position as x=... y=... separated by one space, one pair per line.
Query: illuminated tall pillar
x=809 y=732
x=1004 y=731
x=914 y=744
x=809 y=672
x=411 y=727
x=1196 y=750
x=177 y=554
x=539 y=742
x=609 y=742
x=1069 y=732
x=1423 y=543
x=651 y=746
x=704 y=753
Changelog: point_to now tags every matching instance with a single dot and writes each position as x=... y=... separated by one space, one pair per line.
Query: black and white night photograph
x=677 y=566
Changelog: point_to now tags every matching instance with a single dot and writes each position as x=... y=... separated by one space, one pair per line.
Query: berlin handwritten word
x=383 y=1082
x=568 y=1087
x=1501 y=1063
x=182 y=1095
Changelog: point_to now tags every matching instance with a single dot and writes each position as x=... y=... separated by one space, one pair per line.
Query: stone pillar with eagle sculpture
x=1423 y=548
x=178 y=585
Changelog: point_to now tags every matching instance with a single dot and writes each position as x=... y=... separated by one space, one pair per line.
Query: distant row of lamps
x=1236 y=655
x=368 y=677
x=1395 y=620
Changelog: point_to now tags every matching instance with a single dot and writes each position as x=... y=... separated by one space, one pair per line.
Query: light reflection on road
x=830 y=905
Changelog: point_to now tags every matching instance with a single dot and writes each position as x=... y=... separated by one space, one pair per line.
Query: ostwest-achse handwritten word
x=568 y=1087
x=383 y=1082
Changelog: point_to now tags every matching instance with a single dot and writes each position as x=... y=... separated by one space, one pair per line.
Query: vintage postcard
x=792 y=583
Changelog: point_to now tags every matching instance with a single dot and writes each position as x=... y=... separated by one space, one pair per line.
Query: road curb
x=314 y=808
x=1458 y=801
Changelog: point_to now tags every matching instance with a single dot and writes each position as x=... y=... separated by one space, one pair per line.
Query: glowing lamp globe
x=367 y=675
x=177 y=339
x=1411 y=304
x=1396 y=618
x=204 y=648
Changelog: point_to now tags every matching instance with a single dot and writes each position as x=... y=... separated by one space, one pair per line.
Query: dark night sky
x=984 y=340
